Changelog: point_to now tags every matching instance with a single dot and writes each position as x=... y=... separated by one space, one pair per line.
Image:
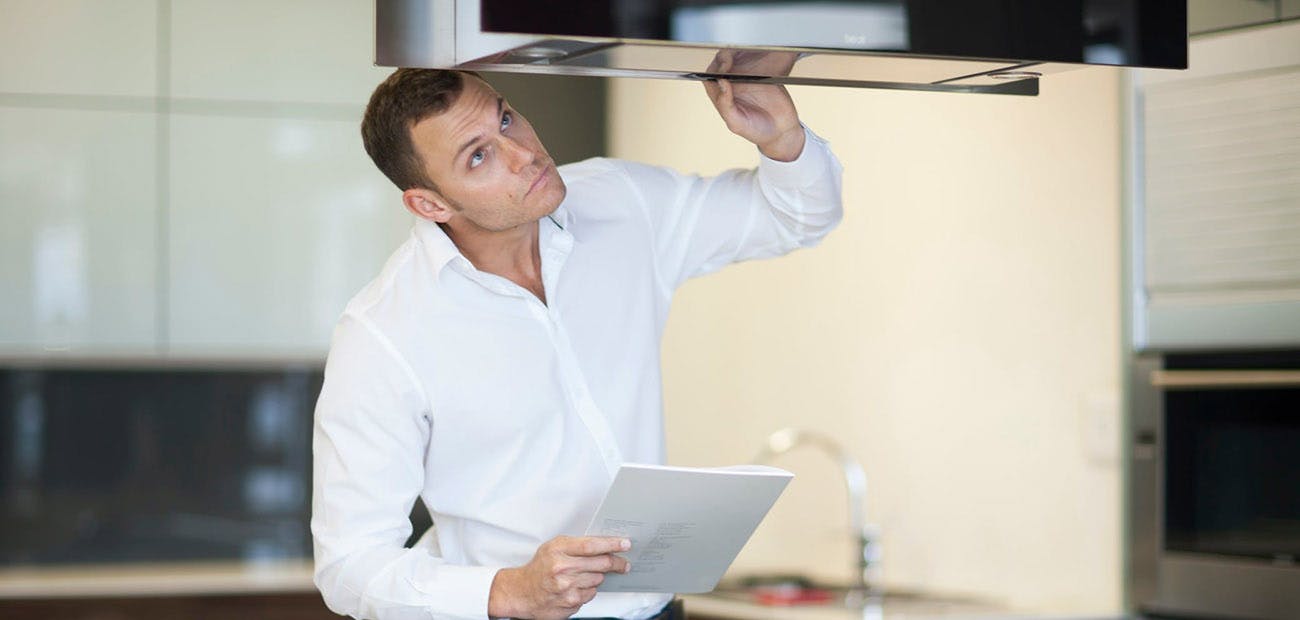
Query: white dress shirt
x=509 y=417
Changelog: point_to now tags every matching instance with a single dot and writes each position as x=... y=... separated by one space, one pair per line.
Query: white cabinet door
x=276 y=215
x=78 y=177
x=319 y=51
x=82 y=47
x=274 y=224
x=272 y=216
x=78 y=231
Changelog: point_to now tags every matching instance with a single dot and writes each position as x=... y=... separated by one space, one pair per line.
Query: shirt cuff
x=811 y=165
x=460 y=591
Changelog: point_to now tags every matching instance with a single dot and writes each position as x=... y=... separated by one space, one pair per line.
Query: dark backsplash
x=121 y=465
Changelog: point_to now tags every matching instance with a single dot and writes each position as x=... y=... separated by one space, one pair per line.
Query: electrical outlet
x=1099 y=419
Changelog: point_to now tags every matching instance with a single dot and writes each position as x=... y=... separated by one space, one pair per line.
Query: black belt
x=672 y=611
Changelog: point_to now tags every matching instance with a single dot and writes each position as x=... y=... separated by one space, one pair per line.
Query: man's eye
x=505 y=120
x=476 y=158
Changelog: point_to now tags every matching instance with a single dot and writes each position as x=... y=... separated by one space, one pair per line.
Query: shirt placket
x=558 y=243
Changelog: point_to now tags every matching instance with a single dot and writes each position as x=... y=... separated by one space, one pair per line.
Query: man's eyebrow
x=478 y=136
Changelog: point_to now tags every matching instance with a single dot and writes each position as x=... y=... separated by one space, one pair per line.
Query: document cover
x=686 y=524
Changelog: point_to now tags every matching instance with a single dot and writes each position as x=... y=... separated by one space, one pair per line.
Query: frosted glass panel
x=286 y=50
x=77 y=230
x=275 y=224
x=1223 y=185
x=79 y=46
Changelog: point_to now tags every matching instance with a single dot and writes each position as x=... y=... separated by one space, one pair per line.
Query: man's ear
x=427 y=204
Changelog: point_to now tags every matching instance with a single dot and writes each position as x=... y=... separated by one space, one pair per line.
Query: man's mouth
x=541 y=179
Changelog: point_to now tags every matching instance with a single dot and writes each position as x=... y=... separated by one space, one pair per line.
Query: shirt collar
x=438 y=247
x=442 y=251
x=560 y=217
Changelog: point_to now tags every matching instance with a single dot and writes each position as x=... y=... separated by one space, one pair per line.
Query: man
x=506 y=360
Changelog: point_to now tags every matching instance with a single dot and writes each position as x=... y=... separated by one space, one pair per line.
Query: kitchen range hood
x=978 y=46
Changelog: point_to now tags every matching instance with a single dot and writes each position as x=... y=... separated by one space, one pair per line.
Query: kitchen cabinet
x=306 y=51
x=276 y=215
x=78 y=176
x=78 y=202
x=1289 y=9
x=1220 y=190
x=1210 y=15
x=233 y=216
x=221 y=209
x=274 y=224
x=79 y=47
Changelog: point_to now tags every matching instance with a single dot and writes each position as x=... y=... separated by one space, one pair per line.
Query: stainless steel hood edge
x=450 y=34
x=446 y=34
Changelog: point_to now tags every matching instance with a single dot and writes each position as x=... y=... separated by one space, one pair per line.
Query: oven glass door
x=1232 y=466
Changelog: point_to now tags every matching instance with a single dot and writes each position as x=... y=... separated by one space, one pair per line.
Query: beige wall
x=959 y=333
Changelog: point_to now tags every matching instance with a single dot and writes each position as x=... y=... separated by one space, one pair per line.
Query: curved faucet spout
x=855 y=483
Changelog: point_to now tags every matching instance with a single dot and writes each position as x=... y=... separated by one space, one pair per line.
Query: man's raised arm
x=791 y=200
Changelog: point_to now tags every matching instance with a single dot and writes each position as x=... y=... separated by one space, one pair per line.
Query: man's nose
x=517 y=155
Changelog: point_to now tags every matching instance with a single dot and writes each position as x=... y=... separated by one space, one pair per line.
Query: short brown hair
x=405 y=98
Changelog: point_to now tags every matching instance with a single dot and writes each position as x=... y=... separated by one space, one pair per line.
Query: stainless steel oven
x=1214 y=484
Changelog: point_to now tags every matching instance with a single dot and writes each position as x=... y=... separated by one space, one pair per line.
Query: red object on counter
x=785 y=596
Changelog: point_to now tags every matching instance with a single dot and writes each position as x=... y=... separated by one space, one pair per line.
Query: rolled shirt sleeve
x=703 y=223
x=370 y=435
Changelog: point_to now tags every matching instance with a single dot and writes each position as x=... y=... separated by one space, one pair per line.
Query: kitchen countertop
x=251 y=578
x=157 y=579
x=720 y=607
x=715 y=606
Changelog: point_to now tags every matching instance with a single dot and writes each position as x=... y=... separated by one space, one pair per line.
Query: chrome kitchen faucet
x=855 y=482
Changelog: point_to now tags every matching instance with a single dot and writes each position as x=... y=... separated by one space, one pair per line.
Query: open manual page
x=686 y=524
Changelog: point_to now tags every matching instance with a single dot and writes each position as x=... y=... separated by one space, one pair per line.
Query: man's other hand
x=762 y=113
x=561 y=577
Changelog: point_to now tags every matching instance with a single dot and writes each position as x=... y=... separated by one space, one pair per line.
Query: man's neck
x=513 y=254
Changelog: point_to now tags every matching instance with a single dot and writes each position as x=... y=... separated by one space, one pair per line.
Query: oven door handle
x=1224 y=379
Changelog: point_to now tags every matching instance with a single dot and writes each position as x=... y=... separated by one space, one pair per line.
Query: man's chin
x=560 y=192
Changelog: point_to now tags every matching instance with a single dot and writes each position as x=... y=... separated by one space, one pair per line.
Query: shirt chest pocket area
x=496 y=383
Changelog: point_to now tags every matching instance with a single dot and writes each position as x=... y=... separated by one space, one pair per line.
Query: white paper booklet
x=686 y=524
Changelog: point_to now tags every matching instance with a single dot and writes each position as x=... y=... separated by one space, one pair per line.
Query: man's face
x=492 y=172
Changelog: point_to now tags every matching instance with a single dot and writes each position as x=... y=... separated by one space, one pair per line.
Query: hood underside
x=978 y=46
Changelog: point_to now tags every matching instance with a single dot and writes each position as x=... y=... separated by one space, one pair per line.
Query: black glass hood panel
x=971 y=46
x=1145 y=33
